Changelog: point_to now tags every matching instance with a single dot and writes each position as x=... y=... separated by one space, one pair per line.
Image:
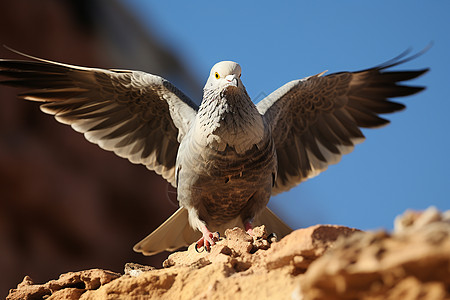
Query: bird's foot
x=207 y=240
x=249 y=227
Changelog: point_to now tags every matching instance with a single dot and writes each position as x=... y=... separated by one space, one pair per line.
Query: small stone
x=134 y=269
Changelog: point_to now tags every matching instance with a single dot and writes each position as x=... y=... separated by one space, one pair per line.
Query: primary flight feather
x=228 y=156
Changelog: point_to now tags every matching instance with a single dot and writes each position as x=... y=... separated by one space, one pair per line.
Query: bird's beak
x=233 y=80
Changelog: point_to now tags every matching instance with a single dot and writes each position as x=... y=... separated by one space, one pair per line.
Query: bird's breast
x=230 y=124
x=220 y=183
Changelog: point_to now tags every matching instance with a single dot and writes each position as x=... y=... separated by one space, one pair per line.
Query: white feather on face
x=223 y=74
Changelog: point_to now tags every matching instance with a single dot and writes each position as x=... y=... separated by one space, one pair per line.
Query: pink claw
x=248 y=227
x=207 y=240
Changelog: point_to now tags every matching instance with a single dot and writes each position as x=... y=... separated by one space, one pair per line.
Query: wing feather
x=317 y=119
x=138 y=116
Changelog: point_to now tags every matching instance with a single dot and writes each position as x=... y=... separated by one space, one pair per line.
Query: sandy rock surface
x=319 y=262
x=69 y=286
x=411 y=263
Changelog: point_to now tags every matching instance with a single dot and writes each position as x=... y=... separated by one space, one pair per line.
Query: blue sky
x=404 y=165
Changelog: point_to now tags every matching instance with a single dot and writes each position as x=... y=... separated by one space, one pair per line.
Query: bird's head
x=225 y=76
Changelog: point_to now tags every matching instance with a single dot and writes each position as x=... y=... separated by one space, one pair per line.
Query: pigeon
x=227 y=156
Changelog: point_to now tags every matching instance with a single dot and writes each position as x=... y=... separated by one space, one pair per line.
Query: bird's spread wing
x=139 y=116
x=316 y=120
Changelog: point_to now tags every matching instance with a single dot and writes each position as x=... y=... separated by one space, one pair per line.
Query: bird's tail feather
x=174 y=233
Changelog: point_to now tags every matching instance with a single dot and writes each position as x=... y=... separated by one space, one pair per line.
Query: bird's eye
x=217 y=75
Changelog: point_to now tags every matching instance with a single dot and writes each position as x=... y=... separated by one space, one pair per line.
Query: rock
x=67 y=293
x=135 y=270
x=251 y=266
x=237 y=243
x=412 y=263
x=412 y=220
x=319 y=262
x=27 y=290
x=149 y=285
x=303 y=246
x=68 y=286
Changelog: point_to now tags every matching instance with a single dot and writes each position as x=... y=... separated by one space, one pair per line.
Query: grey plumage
x=136 y=115
x=227 y=156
